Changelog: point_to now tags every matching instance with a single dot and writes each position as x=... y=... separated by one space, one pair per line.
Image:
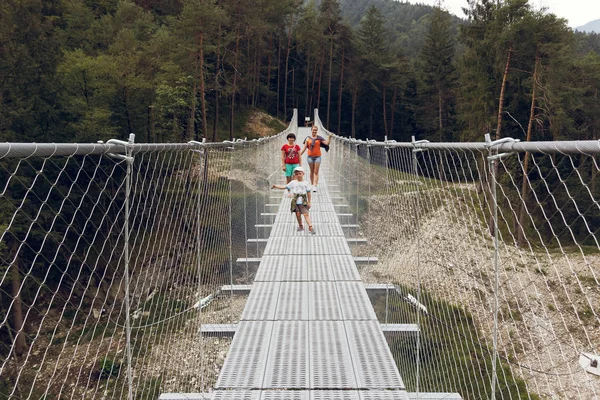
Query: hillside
x=590 y=27
x=408 y=23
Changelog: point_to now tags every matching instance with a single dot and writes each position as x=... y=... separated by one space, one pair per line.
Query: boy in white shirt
x=301 y=196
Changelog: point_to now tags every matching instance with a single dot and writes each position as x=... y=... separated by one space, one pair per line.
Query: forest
x=177 y=70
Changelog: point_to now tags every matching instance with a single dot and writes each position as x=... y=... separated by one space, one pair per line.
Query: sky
x=576 y=12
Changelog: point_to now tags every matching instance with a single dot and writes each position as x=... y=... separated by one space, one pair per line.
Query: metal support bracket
x=489 y=143
x=124 y=144
x=417 y=142
x=195 y=142
x=231 y=147
x=590 y=363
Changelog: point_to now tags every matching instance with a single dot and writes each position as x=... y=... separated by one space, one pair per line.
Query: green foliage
x=79 y=70
x=467 y=361
x=149 y=388
x=108 y=368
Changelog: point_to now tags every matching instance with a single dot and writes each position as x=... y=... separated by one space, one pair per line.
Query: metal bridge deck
x=308 y=330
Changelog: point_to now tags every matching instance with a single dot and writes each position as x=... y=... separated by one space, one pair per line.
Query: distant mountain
x=408 y=23
x=590 y=27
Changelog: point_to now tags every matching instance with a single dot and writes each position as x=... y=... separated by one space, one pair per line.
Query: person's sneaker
x=300 y=228
x=314 y=189
x=312 y=231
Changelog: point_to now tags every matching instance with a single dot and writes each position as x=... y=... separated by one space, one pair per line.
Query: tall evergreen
x=330 y=17
x=373 y=36
x=439 y=79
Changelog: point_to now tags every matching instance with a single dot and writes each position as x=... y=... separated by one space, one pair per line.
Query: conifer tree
x=439 y=76
x=330 y=18
x=377 y=60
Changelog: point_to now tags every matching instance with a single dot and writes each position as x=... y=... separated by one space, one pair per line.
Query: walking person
x=301 y=197
x=290 y=156
x=313 y=144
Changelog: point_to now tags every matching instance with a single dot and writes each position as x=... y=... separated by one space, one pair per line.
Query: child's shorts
x=301 y=208
x=289 y=169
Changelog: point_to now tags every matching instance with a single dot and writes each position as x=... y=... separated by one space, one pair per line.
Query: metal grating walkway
x=308 y=331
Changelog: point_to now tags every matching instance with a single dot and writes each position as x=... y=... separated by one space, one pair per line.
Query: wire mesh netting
x=526 y=309
x=115 y=256
x=111 y=263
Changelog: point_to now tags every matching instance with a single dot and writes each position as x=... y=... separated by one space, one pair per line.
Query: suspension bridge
x=172 y=271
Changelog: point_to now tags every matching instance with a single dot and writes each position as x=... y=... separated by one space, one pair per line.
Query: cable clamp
x=489 y=143
x=197 y=143
x=415 y=143
x=124 y=144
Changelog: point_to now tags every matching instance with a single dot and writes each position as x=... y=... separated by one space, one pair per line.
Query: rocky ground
x=549 y=299
x=546 y=316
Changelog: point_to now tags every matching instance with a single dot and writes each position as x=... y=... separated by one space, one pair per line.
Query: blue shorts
x=289 y=169
x=314 y=160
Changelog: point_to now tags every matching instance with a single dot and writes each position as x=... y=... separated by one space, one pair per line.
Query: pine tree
x=439 y=77
x=373 y=36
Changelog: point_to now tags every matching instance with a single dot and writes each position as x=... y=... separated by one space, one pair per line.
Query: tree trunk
x=354 y=99
x=312 y=91
x=217 y=91
x=202 y=90
x=175 y=125
x=127 y=114
x=339 y=124
x=269 y=72
x=306 y=103
x=385 y=125
x=440 y=125
x=393 y=112
x=320 y=79
x=521 y=226
x=287 y=62
x=150 y=130
x=501 y=100
x=278 y=72
x=329 y=80
x=20 y=344
x=371 y=112
x=192 y=118
x=499 y=128
x=233 y=88
x=256 y=80
x=294 y=98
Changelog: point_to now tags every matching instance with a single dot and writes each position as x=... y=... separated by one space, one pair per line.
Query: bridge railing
x=492 y=249
x=114 y=254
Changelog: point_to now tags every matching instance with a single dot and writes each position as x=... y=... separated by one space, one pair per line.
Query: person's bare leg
x=288 y=179
x=308 y=221
x=299 y=218
x=315 y=179
x=312 y=173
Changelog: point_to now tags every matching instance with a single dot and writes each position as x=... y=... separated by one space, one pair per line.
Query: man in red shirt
x=290 y=156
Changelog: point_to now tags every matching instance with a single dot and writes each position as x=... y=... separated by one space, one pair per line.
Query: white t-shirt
x=298 y=187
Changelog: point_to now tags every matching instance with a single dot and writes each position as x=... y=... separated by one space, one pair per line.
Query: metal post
x=231 y=151
x=129 y=161
x=495 y=350
x=357 y=183
x=202 y=154
x=493 y=160
x=417 y=234
x=246 y=226
x=416 y=173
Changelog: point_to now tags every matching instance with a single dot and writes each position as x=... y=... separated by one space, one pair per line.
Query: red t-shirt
x=292 y=153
